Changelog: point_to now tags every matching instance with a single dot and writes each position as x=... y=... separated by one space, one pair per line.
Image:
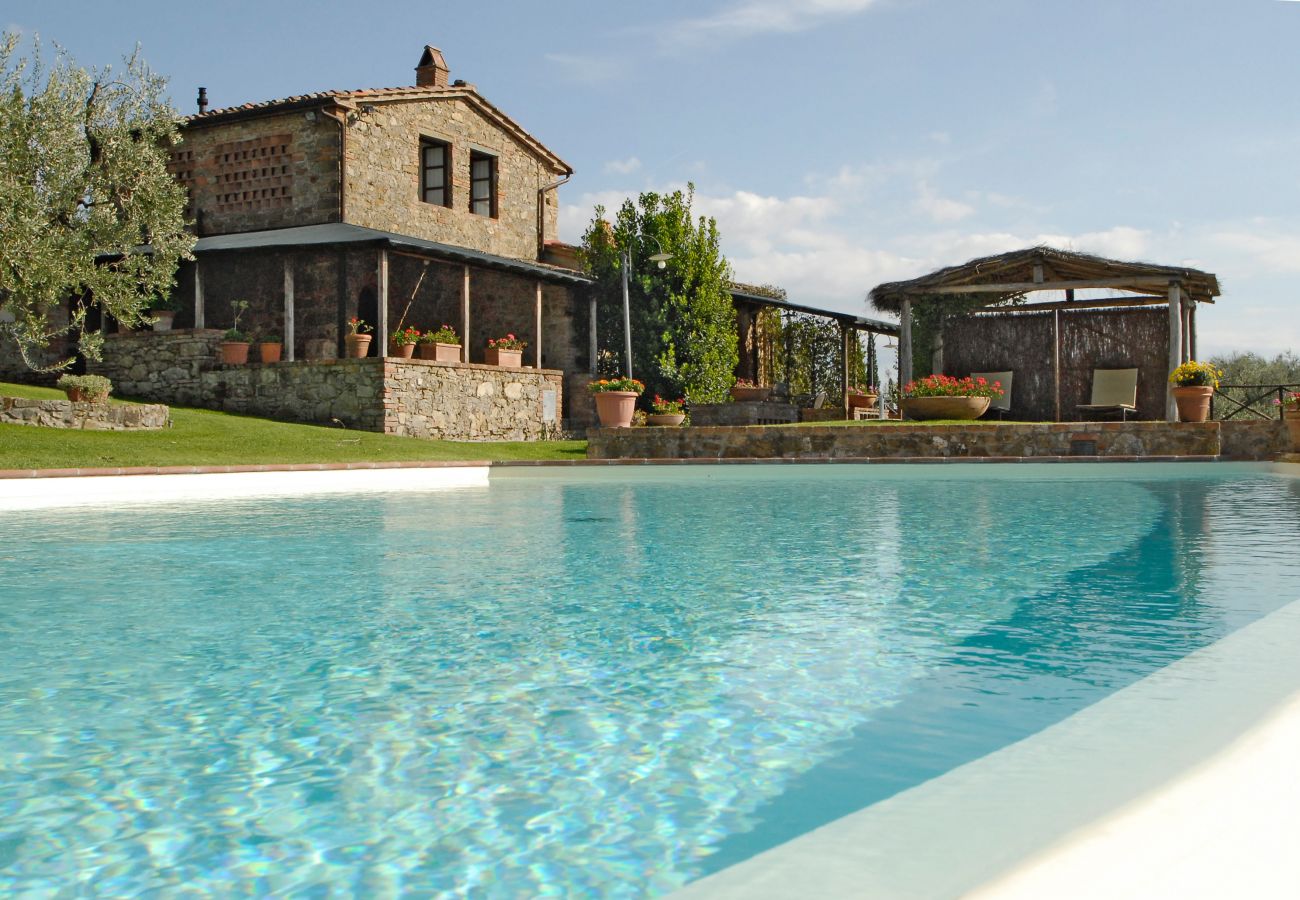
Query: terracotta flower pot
x=863 y=401
x=615 y=408
x=439 y=352
x=664 y=418
x=1291 y=416
x=922 y=408
x=404 y=351
x=271 y=351
x=1193 y=402
x=358 y=345
x=494 y=356
x=164 y=317
x=234 y=353
x=81 y=395
x=750 y=394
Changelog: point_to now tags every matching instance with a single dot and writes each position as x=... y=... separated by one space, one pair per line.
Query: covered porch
x=1108 y=314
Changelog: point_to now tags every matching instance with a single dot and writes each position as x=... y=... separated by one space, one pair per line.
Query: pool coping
x=1179 y=785
x=87 y=472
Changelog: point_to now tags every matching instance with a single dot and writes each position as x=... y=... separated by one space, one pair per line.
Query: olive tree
x=89 y=215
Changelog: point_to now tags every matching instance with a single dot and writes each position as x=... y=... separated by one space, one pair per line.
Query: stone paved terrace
x=978 y=440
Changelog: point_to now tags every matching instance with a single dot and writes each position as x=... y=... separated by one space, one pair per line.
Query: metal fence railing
x=1261 y=401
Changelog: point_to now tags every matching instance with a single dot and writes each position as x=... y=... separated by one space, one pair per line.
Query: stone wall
x=467 y=402
x=418 y=398
x=85 y=416
x=167 y=366
x=1253 y=439
x=274 y=171
x=1115 y=439
x=383 y=177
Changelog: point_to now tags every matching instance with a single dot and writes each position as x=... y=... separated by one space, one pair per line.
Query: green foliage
x=683 y=320
x=83 y=187
x=616 y=384
x=96 y=386
x=930 y=315
x=806 y=354
x=444 y=335
x=1254 y=369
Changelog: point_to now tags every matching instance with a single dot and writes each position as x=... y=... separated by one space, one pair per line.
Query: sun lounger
x=1113 y=391
x=1000 y=405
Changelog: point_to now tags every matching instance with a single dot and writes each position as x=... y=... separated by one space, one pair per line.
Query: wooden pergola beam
x=1027 y=286
x=1099 y=303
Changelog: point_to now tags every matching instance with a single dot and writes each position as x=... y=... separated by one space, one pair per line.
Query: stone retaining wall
x=1253 y=439
x=1127 y=439
x=161 y=365
x=418 y=398
x=85 y=416
x=747 y=412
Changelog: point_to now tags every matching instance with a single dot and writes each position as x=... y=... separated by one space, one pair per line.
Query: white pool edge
x=1123 y=799
x=115 y=490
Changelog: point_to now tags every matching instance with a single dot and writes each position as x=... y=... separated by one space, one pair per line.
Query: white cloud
x=753 y=17
x=584 y=69
x=623 y=166
x=1278 y=253
x=941 y=209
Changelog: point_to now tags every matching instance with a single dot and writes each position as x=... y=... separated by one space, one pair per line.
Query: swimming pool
x=585 y=683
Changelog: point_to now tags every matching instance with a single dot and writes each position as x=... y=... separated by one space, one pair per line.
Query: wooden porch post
x=844 y=368
x=1056 y=360
x=288 y=307
x=1187 y=329
x=1191 y=330
x=1175 y=346
x=342 y=273
x=537 y=326
x=464 y=317
x=592 y=350
x=905 y=344
x=198 y=294
x=381 y=288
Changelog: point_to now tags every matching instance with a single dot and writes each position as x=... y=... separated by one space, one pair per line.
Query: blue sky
x=839 y=143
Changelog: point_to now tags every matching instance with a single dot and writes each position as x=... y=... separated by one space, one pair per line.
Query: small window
x=483 y=184
x=435 y=171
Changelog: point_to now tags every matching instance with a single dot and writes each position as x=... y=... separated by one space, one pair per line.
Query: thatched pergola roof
x=1007 y=277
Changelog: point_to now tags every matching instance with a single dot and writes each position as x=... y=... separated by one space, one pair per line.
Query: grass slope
x=205 y=438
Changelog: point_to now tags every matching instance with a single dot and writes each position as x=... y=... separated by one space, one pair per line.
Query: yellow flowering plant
x=1195 y=374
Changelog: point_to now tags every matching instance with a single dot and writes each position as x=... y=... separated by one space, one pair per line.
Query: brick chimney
x=432 y=70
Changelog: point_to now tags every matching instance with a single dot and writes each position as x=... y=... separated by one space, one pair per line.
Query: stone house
x=419 y=206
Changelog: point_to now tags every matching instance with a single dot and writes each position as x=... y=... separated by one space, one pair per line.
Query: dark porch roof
x=847 y=319
x=1007 y=277
x=340 y=233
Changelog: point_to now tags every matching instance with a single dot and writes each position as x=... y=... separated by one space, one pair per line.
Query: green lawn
x=205 y=438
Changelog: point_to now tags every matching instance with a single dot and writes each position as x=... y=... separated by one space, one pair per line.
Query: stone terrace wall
x=469 y=402
x=161 y=365
x=1127 y=439
x=346 y=392
x=1253 y=439
x=86 y=416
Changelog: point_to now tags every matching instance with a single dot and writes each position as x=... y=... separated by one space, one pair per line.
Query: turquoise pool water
x=596 y=684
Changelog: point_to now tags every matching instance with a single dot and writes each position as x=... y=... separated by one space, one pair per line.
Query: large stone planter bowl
x=922 y=408
x=665 y=419
x=863 y=401
x=749 y=394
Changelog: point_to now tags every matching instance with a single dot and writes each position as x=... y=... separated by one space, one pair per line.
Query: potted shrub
x=666 y=412
x=745 y=391
x=506 y=351
x=616 y=400
x=358 y=338
x=403 y=341
x=234 y=344
x=947 y=397
x=271 y=347
x=1193 y=386
x=163 y=310
x=442 y=345
x=85 y=388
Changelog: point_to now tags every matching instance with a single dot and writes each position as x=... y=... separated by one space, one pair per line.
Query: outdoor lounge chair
x=999 y=405
x=1113 y=391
